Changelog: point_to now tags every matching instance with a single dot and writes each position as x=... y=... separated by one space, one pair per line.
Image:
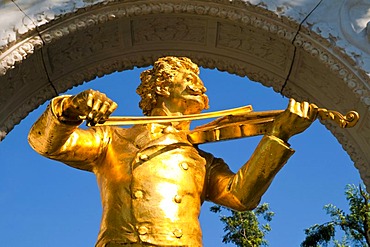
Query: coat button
x=144 y=157
x=142 y=230
x=178 y=199
x=184 y=165
x=177 y=233
x=138 y=194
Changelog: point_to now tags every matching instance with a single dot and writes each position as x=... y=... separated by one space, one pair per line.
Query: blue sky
x=45 y=203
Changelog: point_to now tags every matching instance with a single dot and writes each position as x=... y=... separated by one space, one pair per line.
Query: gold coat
x=152 y=188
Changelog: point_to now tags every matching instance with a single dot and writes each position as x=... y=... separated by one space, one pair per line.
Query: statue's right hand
x=92 y=106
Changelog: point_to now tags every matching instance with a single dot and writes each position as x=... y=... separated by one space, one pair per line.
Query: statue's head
x=174 y=79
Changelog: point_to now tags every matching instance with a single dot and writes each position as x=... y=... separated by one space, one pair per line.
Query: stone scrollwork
x=253 y=43
x=354 y=23
x=13 y=56
x=61 y=29
x=97 y=40
x=335 y=65
x=168 y=29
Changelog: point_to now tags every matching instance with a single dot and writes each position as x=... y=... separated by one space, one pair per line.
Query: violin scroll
x=347 y=121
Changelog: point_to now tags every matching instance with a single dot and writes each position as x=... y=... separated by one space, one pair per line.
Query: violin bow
x=130 y=120
x=244 y=113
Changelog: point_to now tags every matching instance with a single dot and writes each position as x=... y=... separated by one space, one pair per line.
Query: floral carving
x=19 y=53
x=354 y=19
x=335 y=65
x=70 y=50
x=168 y=29
x=252 y=42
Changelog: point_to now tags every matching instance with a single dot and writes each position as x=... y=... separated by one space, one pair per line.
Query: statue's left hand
x=295 y=119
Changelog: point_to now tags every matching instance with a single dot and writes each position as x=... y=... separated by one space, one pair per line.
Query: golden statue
x=153 y=178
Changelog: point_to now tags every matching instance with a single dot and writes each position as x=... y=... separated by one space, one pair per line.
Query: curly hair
x=161 y=75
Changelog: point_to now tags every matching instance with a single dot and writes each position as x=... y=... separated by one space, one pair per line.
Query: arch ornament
x=292 y=48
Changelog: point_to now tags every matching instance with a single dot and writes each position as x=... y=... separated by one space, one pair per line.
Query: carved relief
x=19 y=77
x=11 y=58
x=354 y=22
x=15 y=81
x=239 y=68
x=87 y=21
x=18 y=97
x=24 y=107
x=337 y=67
x=252 y=42
x=168 y=29
x=71 y=50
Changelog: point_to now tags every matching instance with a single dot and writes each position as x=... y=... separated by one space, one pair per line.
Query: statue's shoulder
x=206 y=155
x=128 y=134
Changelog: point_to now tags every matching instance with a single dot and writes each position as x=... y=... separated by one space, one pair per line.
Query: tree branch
x=366 y=223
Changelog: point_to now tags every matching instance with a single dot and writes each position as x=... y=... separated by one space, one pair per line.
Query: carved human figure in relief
x=152 y=180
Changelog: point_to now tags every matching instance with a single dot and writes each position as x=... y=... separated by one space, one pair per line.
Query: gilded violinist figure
x=152 y=180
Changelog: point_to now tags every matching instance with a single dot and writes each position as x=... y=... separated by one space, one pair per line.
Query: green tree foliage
x=243 y=228
x=355 y=225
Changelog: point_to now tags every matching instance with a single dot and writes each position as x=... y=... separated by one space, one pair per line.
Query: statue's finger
x=90 y=99
x=105 y=107
x=112 y=108
x=305 y=107
x=291 y=105
x=97 y=105
x=102 y=112
x=94 y=110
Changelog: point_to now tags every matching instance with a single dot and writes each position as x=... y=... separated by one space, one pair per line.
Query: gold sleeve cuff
x=56 y=107
x=48 y=131
x=277 y=139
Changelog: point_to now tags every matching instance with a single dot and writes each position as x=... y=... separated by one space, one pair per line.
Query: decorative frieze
x=253 y=42
x=72 y=50
x=165 y=28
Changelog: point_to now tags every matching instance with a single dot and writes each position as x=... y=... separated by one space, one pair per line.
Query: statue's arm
x=56 y=134
x=243 y=190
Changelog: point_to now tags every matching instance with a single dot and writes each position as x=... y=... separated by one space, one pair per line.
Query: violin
x=256 y=123
x=233 y=123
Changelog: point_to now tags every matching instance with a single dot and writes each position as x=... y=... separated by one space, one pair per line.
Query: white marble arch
x=315 y=50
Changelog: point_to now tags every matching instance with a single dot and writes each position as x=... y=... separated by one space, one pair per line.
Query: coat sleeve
x=66 y=142
x=243 y=190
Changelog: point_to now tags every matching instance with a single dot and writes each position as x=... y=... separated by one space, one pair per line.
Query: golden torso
x=149 y=184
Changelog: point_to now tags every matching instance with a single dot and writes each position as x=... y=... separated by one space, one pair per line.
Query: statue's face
x=188 y=92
